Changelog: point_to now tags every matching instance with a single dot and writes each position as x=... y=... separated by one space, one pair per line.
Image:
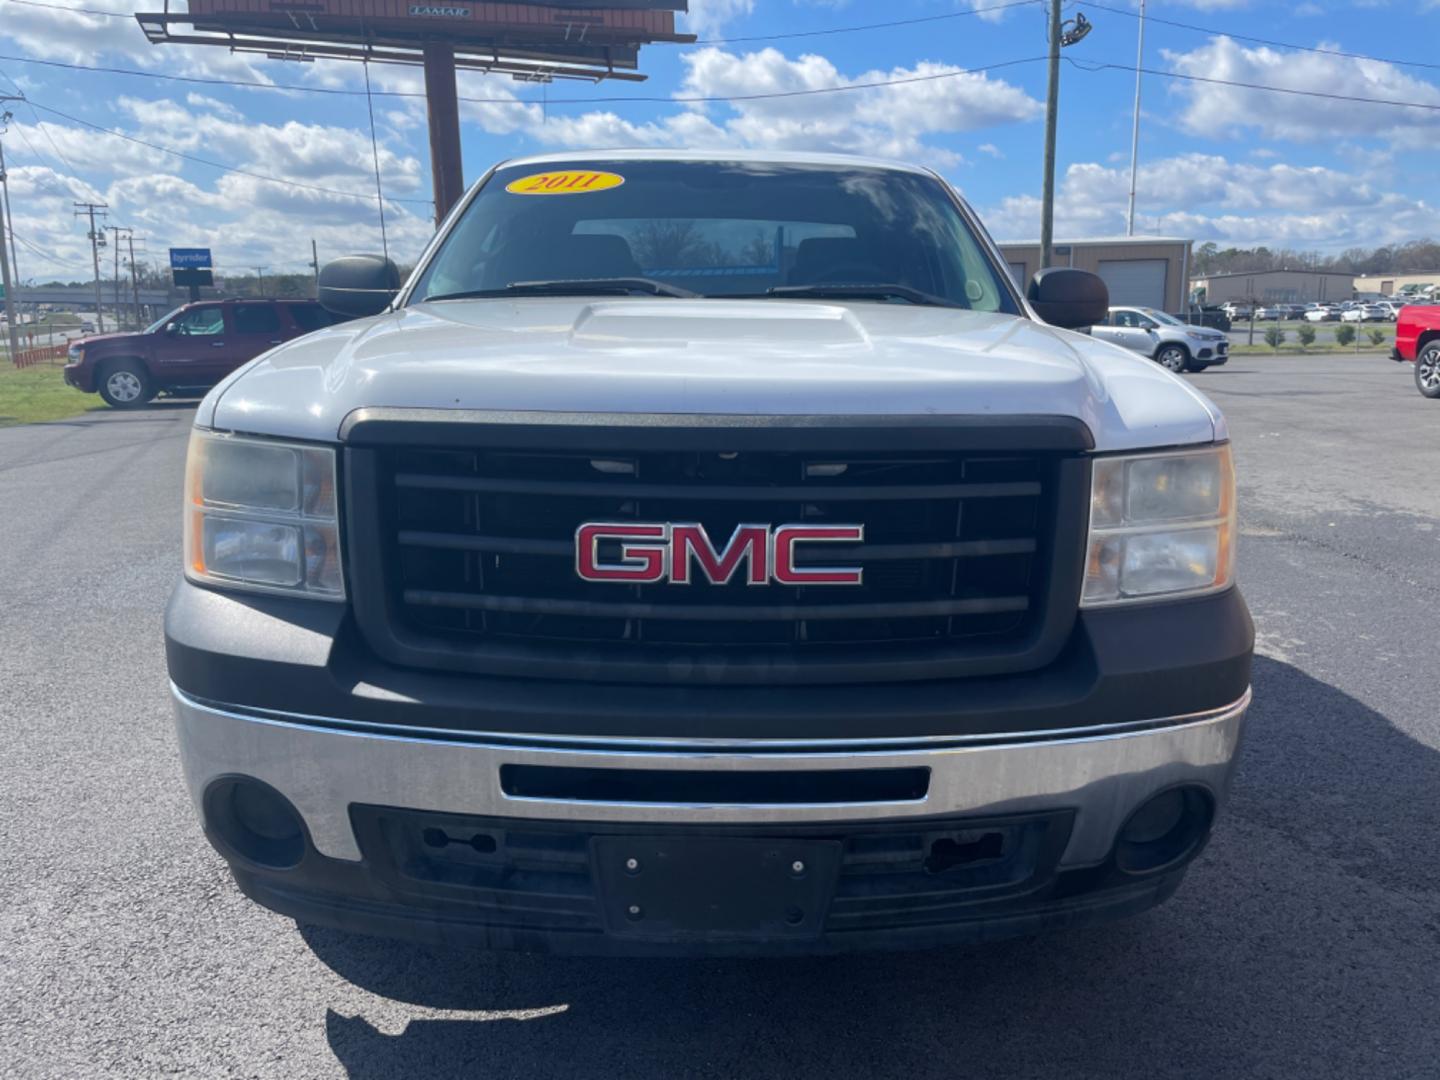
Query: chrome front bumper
x=324 y=766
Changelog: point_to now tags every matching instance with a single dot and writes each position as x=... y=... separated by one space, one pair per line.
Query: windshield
x=158 y=323
x=671 y=228
x=1163 y=317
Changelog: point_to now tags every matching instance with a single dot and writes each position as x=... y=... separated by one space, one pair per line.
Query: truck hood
x=739 y=357
x=90 y=341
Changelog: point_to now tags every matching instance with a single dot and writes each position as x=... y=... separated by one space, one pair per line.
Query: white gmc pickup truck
x=707 y=554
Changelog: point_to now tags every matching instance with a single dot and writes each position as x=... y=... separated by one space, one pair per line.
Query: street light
x=1061 y=35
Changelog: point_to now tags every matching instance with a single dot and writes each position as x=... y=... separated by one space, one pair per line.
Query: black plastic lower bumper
x=306 y=657
x=451 y=881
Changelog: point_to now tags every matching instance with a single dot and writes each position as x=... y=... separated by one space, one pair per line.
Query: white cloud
x=311 y=153
x=1217 y=110
x=889 y=121
x=708 y=17
x=991 y=150
x=246 y=220
x=1207 y=197
x=991 y=10
x=75 y=37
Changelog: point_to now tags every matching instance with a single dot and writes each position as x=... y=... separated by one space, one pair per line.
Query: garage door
x=1017 y=272
x=1137 y=282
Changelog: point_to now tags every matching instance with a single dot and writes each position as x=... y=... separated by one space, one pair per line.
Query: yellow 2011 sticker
x=564 y=182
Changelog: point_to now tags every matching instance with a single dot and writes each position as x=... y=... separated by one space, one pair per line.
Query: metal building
x=1276 y=286
x=1146 y=271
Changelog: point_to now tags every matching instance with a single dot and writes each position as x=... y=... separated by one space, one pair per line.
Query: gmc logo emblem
x=683 y=553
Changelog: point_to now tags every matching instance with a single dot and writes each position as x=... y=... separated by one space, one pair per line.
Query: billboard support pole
x=444 y=114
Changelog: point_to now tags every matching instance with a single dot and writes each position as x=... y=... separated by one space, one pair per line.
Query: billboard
x=579 y=39
x=190 y=259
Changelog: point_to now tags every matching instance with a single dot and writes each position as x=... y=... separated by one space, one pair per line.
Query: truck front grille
x=478 y=553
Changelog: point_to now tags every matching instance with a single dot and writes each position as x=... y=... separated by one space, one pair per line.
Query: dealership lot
x=1305 y=943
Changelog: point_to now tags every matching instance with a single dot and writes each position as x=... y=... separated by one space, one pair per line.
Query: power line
x=823 y=32
x=201 y=80
x=791 y=35
x=215 y=164
x=36 y=250
x=1263 y=41
x=40 y=124
x=866 y=26
x=1259 y=86
x=653 y=99
x=375 y=151
x=76 y=10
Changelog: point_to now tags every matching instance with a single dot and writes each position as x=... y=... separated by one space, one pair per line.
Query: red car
x=190 y=349
x=1417 y=339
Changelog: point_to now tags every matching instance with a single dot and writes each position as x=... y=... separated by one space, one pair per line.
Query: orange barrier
x=42 y=355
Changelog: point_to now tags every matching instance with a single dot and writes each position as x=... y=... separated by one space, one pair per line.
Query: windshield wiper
x=861 y=291
x=575 y=287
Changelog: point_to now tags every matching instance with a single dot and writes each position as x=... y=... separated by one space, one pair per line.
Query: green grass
x=30 y=395
x=1291 y=348
x=55 y=320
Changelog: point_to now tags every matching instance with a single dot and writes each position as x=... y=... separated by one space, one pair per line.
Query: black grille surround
x=460 y=536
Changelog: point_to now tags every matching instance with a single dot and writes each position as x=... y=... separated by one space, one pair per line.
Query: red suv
x=1417 y=339
x=192 y=348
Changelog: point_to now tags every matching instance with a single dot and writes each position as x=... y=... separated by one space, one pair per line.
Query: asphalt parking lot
x=1305 y=943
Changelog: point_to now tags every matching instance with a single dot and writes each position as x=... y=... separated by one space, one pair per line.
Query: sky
x=1223 y=163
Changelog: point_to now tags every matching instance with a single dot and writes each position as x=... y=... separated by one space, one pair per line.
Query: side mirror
x=358 y=285
x=172 y=328
x=1068 y=298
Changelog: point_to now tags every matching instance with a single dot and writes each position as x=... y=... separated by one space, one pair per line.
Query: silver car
x=1172 y=344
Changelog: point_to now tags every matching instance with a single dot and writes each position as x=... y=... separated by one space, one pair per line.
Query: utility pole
x=1060 y=37
x=7 y=226
x=135 y=282
x=260 y=278
x=9 y=216
x=1052 y=108
x=315 y=265
x=117 y=230
x=84 y=209
x=1135 y=130
x=14 y=333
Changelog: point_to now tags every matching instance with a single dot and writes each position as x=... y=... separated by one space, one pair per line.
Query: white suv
x=1174 y=345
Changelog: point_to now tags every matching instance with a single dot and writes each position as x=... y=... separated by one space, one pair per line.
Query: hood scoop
x=680 y=323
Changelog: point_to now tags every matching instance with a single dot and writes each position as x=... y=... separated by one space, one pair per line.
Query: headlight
x=75 y=352
x=1198 y=337
x=1160 y=525
x=261 y=515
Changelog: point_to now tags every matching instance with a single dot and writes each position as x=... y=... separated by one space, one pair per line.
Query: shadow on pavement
x=101 y=414
x=1264 y=964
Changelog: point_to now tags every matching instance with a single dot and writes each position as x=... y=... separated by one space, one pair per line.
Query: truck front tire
x=126 y=384
x=1427 y=370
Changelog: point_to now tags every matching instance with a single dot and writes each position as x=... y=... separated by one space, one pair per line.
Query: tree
x=1344 y=334
x=1274 y=337
x=1306 y=334
x=669 y=244
x=1377 y=336
x=758 y=250
x=1415 y=255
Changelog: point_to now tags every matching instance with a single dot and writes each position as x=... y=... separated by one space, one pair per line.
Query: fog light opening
x=1166 y=830
x=256 y=821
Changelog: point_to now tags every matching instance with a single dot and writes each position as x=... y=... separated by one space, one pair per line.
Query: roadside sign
x=190 y=259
